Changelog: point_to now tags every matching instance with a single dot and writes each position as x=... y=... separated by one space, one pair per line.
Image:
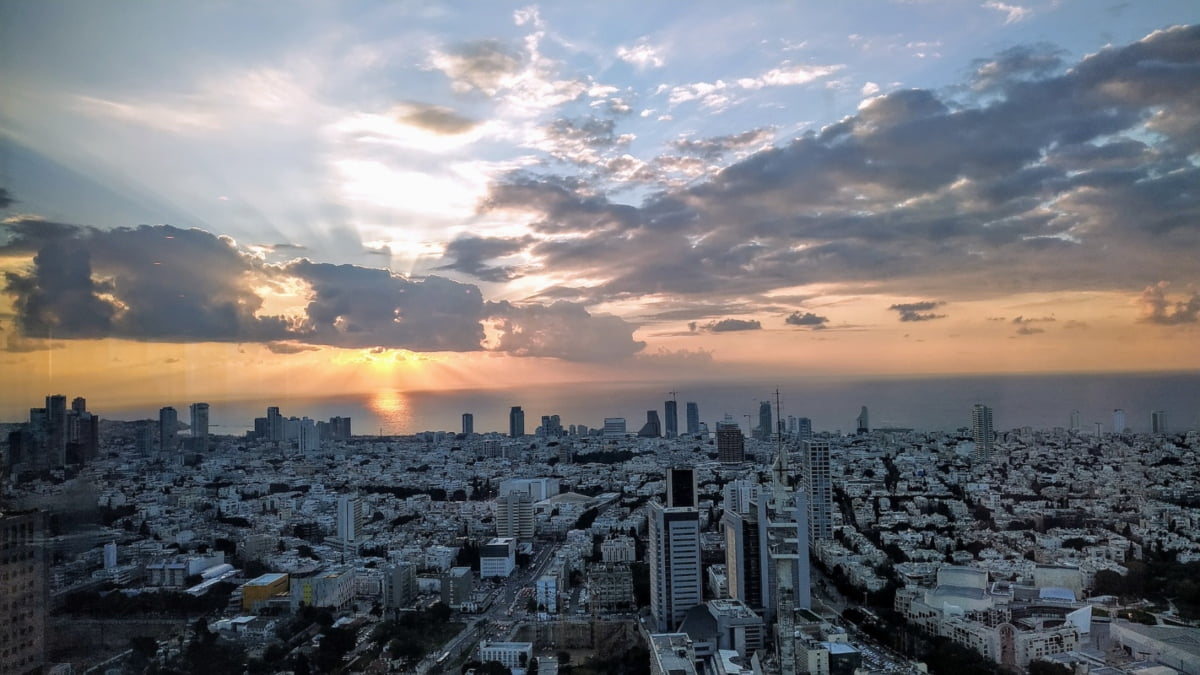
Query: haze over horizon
x=342 y=197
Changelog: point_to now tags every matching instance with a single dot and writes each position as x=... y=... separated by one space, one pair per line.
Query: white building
x=547 y=593
x=498 y=557
x=674 y=552
x=514 y=515
x=508 y=654
x=819 y=487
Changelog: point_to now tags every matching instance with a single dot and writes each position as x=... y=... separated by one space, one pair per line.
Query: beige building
x=22 y=592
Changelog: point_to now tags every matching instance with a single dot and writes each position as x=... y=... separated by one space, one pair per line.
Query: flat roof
x=267 y=579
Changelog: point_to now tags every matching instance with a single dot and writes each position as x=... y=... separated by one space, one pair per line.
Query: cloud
x=642 y=55
x=918 y=311
x=1015 y=64
x=869 y=89
x=482 y=65
x=6 y=199
x=806 y=319
x=166 y=284
x=1158 y=307
x=726 y=325
x=788 y=75
x=1012 y=13
x=676 y=358
x=1029 y=330
x=1022 y=320
x=470 y=255
x=717 y=146
x=562 y=330
x=290 y=347
x=435 y=118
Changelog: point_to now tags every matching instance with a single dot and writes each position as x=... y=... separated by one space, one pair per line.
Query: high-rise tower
x=864 y=422
x=1118 y=421
x=516 y=422
x=672 y=418
x=766 y=430
x=1158 y=422
x=199 y=427
x=693 y=418
x=981 y=431
x=468 y=424
x=731 y=445
x=674 y=560
x=819 y=487
x=168 y=428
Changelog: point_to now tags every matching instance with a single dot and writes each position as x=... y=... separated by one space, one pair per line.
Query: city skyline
x=376 y=196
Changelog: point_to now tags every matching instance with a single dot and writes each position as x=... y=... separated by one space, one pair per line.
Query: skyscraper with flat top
x=23 y=590
x=516 y=422
x=672 y=412
x=731 y=445
x=981 y=431
x=1158 y=422
x=1118 y=421
x=674 y=561
x=765 y=429
x=693 y=418
x=468 y=424
x=168 y=428
x=199 y=427
x=819 y=487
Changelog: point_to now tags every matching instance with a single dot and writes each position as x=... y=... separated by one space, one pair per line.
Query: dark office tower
x=516 y=422
x=339 y=428
x=79 y=405
x=804 y=429
x=681 y=487
x=746 y=559
x=468 y=421
x=981 y=430
x=552 y=426
x=672 y=410
x=168 y=429
x=693 y=418
x=262 y=429
x=731 y=445
x=56 y=430
x=23 y=588
x=764 y=421
x=143 y=437
x=199 y=427
x=652 y=428
x=274 y=424
x=864 y=422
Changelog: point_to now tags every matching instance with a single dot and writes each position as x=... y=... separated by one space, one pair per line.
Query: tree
x=564 y=657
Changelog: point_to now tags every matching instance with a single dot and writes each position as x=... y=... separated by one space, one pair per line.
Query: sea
x=833 y=404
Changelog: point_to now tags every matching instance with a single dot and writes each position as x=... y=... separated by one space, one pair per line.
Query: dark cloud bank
x=1035 y=175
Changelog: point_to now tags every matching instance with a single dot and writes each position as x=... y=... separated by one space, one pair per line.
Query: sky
x=216 y=199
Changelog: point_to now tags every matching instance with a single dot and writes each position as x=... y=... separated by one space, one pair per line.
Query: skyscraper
x=168 y=428
x=200 y=427
x=819 y=486
x=731 y=445
x=804 y=429
x=864 y=422
x=349 y=519
x=274 y=424
x=614 y=427
x=1158 y=422
x=674 y=560
x=56 y=430
x=765 y=429
x=308 y=437
x=693 y=418
x=468 y=424
x=1075 y=420
x=746 y=558
x=981 y=431
x=672 y=412
x=1119 y=421
x=516 y=422
x=681 y=487
x=652 y=428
